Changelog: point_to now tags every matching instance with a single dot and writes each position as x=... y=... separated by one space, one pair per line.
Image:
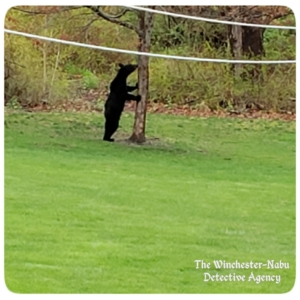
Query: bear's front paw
x=137 y=85
x=138 y=98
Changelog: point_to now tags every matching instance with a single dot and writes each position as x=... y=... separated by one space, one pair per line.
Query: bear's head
x=127 y=69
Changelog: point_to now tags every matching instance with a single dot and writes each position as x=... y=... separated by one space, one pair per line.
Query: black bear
x=117 y=97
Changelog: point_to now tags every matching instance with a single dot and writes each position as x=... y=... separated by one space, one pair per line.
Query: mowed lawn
x=86 y=216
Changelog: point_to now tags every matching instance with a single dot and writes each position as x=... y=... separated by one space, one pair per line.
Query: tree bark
x=236 y=45
x=145 y=29
x=253 y=41
x=246 y=42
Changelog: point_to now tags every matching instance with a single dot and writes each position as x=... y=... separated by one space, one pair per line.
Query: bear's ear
x=121 y=65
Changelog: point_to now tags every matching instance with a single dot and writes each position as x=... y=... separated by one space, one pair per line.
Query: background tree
x=242 y=42
x=251 y=39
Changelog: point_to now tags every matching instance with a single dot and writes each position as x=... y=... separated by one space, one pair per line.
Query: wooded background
x=43 y=72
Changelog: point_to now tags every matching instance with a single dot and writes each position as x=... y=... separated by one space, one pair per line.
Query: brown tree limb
x=119 y=15
x=37 y=12
x=86 y=26
x=77 y=17
x=114 y=18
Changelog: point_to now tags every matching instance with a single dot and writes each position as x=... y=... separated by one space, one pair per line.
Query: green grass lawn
x=85 y=216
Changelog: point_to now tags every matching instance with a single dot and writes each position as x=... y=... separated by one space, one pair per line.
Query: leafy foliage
x=38 y=71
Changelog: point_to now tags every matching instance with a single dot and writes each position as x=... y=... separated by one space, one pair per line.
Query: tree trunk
x=145 y=27
x=246 y=42
x=253 y=41
x=236 y=45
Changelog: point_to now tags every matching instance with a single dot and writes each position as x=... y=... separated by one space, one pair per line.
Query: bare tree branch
x=119 y=15
x=37 y=12
x=26 y=11
x=242 y=13
x=114 y=19
x=79 y=16
x=86 y=26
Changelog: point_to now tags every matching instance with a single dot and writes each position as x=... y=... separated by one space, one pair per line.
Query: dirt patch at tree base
x=148 y=142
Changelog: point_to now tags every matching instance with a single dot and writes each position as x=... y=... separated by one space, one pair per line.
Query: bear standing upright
x=117 y=97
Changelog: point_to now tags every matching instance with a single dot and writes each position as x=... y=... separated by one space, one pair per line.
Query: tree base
x=137 y=138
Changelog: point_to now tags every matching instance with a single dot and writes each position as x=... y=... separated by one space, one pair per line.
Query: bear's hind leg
x=111 y=127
